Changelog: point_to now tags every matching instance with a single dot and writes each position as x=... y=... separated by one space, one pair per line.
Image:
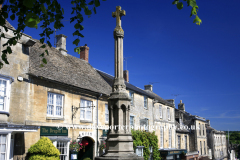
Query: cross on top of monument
x=118 y=14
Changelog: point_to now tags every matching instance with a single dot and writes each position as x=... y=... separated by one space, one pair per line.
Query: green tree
x=30 y=13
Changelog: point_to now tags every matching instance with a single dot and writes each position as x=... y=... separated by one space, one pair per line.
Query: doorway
x=88 y=152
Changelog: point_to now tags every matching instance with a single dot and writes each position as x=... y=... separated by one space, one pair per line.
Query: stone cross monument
x=119 y=138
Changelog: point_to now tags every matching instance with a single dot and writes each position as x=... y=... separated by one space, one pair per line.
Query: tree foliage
x=30 y=13
x=146 y=139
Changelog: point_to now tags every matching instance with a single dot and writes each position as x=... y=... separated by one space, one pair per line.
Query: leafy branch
x=194 y=10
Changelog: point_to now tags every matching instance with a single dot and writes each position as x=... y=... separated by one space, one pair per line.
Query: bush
x=43 y=150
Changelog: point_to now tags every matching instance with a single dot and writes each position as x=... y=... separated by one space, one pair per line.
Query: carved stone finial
x=118 y=14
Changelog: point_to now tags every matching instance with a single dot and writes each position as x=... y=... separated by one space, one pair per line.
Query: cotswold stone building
x=217 y=142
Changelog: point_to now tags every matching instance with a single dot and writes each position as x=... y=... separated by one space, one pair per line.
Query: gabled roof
x=66 y=69
x=109 y=79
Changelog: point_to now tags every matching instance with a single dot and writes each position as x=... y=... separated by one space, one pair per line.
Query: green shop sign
x=53 y=131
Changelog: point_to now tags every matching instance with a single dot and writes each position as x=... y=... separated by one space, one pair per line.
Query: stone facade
x=217 y=142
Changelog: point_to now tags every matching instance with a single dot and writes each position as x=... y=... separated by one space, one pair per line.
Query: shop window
x=86 y=110
x=3 y=146
x=63 y=149
x=55 y=105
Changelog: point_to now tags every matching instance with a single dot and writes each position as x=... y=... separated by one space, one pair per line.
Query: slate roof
x=66 y=69
x=109 y=79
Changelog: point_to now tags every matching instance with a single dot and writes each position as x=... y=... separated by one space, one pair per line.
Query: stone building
x=197 y=138
x=217 y=143
x=60 y=100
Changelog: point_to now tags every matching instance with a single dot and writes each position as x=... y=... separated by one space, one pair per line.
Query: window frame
x=179 y=142
x=130 y=121
x=85 y=110
x=170 y=138
x=6 y=101
x=203 y=129
x=186 y=142
x=145 y=102
x=106 y=113
x=160 y=111
x=131 y=95
x=6 y=145
x=55 y=105
x=161 y=137
x=55 y=143
x=168 y=114
x=200 y=130
x=200 y=147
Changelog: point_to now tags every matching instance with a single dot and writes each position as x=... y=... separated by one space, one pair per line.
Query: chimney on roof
x=126 y=75
x=84 y=52
x=181 y=106
x=172 y=101
x=148 y=87
x=61 y=43
x=208 y=122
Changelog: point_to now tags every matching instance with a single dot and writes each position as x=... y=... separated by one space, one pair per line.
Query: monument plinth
x=119 y=138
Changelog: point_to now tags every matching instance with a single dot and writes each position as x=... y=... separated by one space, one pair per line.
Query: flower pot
x=74 y=155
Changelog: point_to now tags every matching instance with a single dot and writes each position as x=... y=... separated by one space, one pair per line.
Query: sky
x=196 y=64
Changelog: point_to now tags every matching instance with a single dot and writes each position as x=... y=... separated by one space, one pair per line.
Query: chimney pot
x=126 y=75
x=148 y=87
x=61 y=43
x=84 y=52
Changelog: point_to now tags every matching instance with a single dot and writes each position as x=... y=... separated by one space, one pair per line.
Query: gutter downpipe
x=97 y=125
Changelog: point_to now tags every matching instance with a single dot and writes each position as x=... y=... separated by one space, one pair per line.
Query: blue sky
x=199 y=64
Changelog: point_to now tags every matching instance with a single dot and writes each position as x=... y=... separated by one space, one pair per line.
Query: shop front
x=59 y=137
x=12 y=140
x=173 y=154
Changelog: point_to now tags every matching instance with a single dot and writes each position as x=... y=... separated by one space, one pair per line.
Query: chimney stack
x=148 y=87
x=181 y=106
x=172 y=101
x=61 y=43
x=208 y=122
x=84 y=52
x=126 y=75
